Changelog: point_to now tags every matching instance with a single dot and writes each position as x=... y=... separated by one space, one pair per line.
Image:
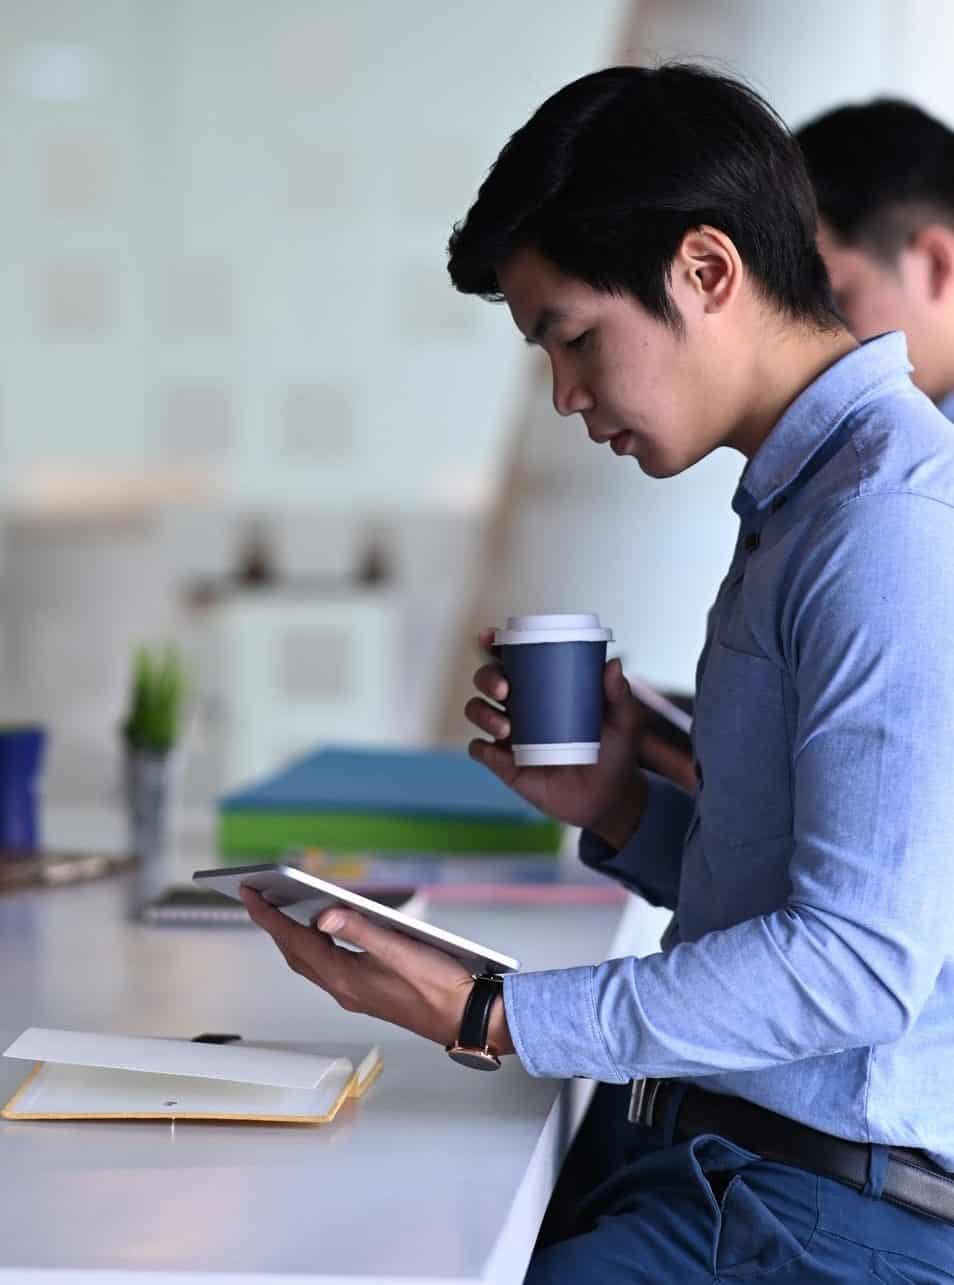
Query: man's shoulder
x=900 y=445
x=904 y=445
x=883 y=504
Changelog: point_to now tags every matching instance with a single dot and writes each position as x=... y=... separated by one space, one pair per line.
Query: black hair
x=881 y=170
x=609 y=174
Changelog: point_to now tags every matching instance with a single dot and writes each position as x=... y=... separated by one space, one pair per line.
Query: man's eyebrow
x=545 y=320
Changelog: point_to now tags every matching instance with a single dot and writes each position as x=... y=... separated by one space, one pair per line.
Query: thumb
x=486 y=640
x=354 y=928
x=614 y=683
x=620 y=708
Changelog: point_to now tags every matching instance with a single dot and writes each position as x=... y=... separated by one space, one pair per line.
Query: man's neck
x=783 y=367
x=945 y=403
x=943 y=385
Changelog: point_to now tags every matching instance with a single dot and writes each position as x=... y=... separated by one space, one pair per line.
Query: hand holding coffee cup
x=565 y=739
x=554 y=668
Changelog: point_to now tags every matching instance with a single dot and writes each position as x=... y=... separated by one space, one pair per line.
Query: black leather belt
x=911 y=1178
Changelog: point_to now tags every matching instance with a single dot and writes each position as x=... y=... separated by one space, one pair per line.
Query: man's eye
x=579 y=341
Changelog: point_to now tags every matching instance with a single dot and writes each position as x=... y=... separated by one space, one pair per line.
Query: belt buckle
x=642 y=1102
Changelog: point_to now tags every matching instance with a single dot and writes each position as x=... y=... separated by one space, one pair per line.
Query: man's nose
x=570 y=395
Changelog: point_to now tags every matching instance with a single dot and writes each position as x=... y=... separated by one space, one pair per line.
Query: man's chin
x=658 y=466
x=657 y=473
x=652 y=461
x=657 y=461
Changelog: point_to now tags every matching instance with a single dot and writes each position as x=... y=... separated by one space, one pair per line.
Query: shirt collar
x=817 y=412
x=946 y=405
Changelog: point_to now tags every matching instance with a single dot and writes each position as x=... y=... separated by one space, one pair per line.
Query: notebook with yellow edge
x=83 y=1075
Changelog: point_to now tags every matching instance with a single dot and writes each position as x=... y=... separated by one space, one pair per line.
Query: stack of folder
x=425 y=815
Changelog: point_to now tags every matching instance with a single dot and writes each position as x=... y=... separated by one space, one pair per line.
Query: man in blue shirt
x=654 y=232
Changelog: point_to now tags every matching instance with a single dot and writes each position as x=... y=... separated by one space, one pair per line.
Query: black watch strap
x=476 y=1020
x=471 y=1048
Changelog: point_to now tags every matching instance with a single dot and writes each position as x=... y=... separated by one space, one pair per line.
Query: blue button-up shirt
x=808 y=966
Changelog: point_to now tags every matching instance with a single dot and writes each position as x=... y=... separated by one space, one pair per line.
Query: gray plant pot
x=148 y=788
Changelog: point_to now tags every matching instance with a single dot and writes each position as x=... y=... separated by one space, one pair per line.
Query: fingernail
x=503 y=729
x=331 y=923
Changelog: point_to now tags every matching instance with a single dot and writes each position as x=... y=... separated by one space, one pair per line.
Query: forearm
x=498 y=1032
x=644 y=852
x=702 y=1007
x=619 y=823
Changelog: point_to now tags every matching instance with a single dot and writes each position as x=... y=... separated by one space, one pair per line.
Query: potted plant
x=151 y=731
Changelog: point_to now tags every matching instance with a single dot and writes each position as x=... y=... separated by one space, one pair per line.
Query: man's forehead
x=527 y=271
x=538 y=293
x=836 y=248
x=841 y=258
x=826 y=238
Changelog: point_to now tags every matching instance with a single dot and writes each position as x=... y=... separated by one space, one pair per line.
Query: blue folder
x=397 y=782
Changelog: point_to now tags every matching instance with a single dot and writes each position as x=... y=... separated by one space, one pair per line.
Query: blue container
x=554 y=667
x=21 y=760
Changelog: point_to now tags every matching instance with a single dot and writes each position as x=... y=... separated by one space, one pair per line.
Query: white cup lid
x=553 y=627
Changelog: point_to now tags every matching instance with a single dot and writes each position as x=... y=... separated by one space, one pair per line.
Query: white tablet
x=660 y=704
x=303 y=897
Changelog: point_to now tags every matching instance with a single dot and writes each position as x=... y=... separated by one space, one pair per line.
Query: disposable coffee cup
x=554 y=668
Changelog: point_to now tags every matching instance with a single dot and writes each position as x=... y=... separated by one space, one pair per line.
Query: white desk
x=439 y=1175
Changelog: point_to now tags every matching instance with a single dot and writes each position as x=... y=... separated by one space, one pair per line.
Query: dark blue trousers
x=705 y=1210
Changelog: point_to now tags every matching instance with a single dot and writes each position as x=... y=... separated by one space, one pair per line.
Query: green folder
x=387 y=800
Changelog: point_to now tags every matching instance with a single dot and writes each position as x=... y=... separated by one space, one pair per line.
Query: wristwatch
x=471 y=1047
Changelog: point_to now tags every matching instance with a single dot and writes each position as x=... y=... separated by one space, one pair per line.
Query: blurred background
x=241 y=407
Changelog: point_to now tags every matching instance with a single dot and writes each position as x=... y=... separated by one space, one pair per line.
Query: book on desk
x=86 y=1075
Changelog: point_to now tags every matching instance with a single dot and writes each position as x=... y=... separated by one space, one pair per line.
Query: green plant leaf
x=157 y=699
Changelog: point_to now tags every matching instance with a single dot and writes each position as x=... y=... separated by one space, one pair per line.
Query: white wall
x=223 y=277
x=224 y=228
x=812 y=56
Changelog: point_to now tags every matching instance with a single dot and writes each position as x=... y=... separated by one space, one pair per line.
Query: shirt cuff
x=552 y=1019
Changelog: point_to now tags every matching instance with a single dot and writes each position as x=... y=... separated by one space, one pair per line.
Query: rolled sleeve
x=554 y=1024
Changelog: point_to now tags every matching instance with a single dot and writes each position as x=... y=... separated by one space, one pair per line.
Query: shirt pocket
x=742 y=743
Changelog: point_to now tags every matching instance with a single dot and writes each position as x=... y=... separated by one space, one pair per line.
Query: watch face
x=476 y=1059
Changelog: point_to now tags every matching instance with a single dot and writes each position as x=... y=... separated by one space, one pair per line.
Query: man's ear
x=707 y=266
x=935 y=244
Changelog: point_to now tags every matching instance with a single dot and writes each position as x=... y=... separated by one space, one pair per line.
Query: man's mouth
x=621 y=443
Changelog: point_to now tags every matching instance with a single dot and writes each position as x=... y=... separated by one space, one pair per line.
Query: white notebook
x=84 y=1075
